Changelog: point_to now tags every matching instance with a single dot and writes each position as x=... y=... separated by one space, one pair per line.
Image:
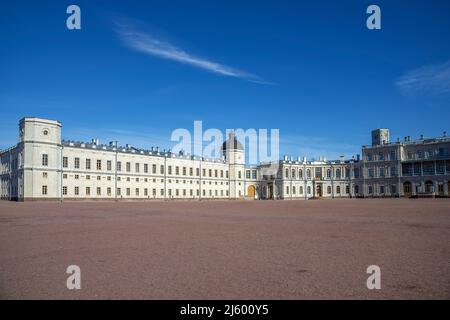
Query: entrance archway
x=319 y=190
x=270 y=191
x=251 y=191
x=429 y=187
x=407 y=189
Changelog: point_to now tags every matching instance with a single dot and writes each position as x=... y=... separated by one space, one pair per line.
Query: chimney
x=421 y=137
x=444 y=134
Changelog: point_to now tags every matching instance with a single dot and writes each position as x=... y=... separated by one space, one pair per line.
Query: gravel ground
x=226 y=249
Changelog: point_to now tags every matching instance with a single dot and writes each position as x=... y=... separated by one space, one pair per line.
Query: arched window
x=308 y=173
x=328 y=189
x=328 y=173
x=338 y=190
x=300 y=174
x=287 y=173
x=293 y=174
x=338 y=173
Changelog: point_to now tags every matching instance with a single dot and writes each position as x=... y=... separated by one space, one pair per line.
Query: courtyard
x=316 y=249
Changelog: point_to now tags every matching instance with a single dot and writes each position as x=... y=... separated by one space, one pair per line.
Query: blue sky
x=139 y=69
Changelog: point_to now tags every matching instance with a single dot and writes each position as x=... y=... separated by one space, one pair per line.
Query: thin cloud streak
x=430 y=79
x=151 y=45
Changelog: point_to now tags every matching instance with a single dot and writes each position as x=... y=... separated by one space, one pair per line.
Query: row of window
x=427 y=154
x=382 y=189
x=300 y=190
x=338 y=173
x=381 y=156
x=129 y=179
x=137 y=168
x=250 y=174
x=425 y=168
x=137 y=192
x=382 y=172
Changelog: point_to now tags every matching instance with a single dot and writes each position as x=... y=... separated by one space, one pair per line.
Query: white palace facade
x=42 y=166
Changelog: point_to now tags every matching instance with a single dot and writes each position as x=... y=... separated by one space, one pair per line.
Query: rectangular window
x=128 y=192
x=99 y=164
x=197 y=171
x=392 y=155
x=119 y=166
x=109 y=165
x=145 y=192
x=77 y=191
x=77 y=163
x=137 y=191
x=45 y=160
x=393 y=171
x=210 y=172
x=136 y=167
x=88 y=164
x=44 y=190
x=169 y=170
x=65 y=162
x=88 y=191
x=154 y=168
x=128 y=164
x=191 y=171
x=64 y=190
x=108 y=191
x=119 y=191
x=99 y=191
x=177 y=171
x=162 y=169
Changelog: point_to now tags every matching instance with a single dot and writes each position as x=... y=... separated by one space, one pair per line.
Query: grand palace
x=42 y=166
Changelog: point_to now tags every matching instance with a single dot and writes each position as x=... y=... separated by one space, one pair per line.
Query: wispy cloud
x=148 y=43
x=429 y=79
